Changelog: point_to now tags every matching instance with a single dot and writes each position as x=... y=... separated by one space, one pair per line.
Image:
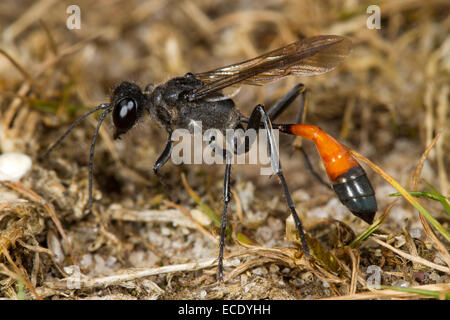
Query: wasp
x=181 y=101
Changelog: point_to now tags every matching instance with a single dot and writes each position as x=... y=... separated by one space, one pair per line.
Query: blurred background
x=387 y=100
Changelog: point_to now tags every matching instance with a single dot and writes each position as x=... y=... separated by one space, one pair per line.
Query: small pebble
x=265 y=233
x=378 y=253
x=419 y=276
x=249 y=287
x=260 y=271
x=244 y=279
x=325 y=284
x=297 y=282
x=438 y=260
x=165 y=231
x=235 y=262
x=435 y=277
x=13 y=166
x=286 y=270
x=400 y=241
x=86 y=260
x=416 y=233
x=55 y=246
x=307 y=276
x=201 y=217
x=400 y=283
x=274 y=268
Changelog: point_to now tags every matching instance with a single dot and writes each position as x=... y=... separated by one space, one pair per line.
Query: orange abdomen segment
x=348 y=178
x=335 y=156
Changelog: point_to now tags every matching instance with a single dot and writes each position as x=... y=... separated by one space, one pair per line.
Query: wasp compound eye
x=128 y=101
x=125 y=114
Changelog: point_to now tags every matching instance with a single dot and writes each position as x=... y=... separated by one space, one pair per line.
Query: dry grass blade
x=404 y=193
x=189 y=216
x=355 y=266
x=134 y=274
x=30 y=15
x=413 y=258
x=321 y=255
x=383 y=294
x=443 y=126
x=239 y=211
x=25 y=88
x=48 y=207
x=63 y=53
x=441 y=248
x=291 y=257
x=373 y=227
x=51 y=39
x=246 y=266
x=210 y=212
x=287 y=256
x=36 y=248
x=21 y=274
x=424 y=156
x=17 y=65
x=161 y=216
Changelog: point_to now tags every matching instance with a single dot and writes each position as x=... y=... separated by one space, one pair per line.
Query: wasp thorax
x=128 y=101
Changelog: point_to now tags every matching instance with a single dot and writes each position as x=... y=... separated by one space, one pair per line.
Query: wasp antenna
x=91 y=155
x=73 y=125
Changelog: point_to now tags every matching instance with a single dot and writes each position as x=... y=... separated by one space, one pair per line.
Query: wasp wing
x=306 y=57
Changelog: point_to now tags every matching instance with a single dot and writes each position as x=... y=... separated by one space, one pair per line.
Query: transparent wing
x=306 y=57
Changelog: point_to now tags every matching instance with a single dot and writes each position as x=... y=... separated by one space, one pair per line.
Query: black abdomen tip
x=356 y=193
x=364 y=208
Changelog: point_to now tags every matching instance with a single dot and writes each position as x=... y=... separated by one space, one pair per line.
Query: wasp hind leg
x=259 y=115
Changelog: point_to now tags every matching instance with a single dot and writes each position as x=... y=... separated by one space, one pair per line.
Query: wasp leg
x=223 y=227
x=280 y=106
x=91 y=153
x=161 y=161
x=284 y=102
x=164 y=157
x=256 y=117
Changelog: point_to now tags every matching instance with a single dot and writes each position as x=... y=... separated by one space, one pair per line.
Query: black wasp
x=198 y=97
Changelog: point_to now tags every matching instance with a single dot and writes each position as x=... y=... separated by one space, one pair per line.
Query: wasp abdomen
x=356 y=193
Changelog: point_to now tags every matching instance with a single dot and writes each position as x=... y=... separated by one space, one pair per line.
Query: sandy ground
x=388 y=100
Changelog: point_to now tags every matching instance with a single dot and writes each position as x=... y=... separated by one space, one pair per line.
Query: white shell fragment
x=13 y=166
x=201 y=217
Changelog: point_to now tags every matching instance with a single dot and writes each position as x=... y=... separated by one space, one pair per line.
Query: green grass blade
x=434 y=195
x=405 y=194
x=443 y=200
x=426 y=293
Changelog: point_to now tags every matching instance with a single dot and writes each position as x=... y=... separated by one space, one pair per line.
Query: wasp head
x=128 y=102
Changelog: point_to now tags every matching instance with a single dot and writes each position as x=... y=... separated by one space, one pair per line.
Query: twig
x=189 y=216
x=19 y=187
x=355 y=265
x=404 y=193
x=440 y=247
x=24 y=276
x=169 y=215
x=133 y=274
x=377 y=294
x=413 y=258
